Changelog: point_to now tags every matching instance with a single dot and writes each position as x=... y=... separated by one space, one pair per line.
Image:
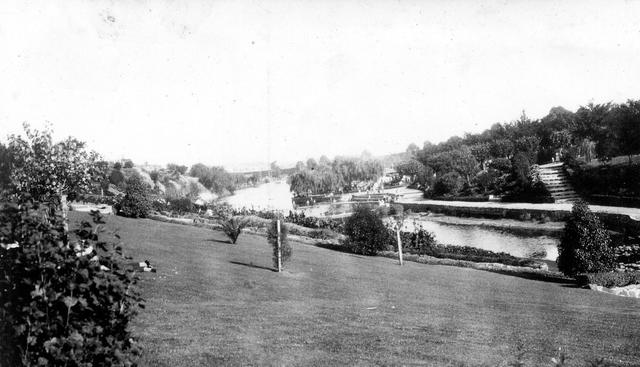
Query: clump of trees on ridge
x=497 y=161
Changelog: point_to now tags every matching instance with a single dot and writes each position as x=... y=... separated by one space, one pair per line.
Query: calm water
x=276 y=196
x=488 y=238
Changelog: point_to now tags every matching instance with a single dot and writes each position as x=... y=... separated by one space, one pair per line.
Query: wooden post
x=279 y=247
x=399 y=244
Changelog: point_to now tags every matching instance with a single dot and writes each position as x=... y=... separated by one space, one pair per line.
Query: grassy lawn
x=213 y=303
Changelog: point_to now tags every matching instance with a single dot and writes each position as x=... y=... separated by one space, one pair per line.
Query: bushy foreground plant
x=366 y=232
x=64 y=302
x=285 y=248
x=233 y=226
x=585 y=244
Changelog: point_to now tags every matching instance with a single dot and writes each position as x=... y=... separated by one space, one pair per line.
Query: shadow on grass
x=251 y=265
x=228 y=242
x=339 y=248
x=541 y=277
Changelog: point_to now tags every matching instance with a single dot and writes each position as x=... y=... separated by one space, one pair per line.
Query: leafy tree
x=137 y=199
x=117 y=166
x=312 y=164
x=412 y=150
x=324 y=161
x=520 y=170
x=481 y=152
x=48 y=171
x=529 y=146
x=448 y=184
x=464 y=162
x=628 y=128
x=300 y=166
x=116 y=177
x=585 y=244
x=418 y=172
x=5 y=167
x=365 y=231
x=502 y=148
x=128 y=163
x=216 y=179
x=176 y=169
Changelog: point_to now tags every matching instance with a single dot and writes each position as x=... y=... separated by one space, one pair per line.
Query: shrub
x=137 y=199
x=285 y=248
x=63 y=303
x=610 y=279
x=585 y=244
x=233 y=226
x=366 y=232
x=448 y=184
x=181 y=205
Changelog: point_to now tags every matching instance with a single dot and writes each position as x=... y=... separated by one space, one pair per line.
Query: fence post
x=399 y=244
x=279 y=247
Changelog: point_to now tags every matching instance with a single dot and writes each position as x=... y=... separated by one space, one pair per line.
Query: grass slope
x=213 y=303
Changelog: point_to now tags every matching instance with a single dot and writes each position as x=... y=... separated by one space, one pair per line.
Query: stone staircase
x=556 y=181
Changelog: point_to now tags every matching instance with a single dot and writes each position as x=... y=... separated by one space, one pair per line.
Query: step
x=560 y=190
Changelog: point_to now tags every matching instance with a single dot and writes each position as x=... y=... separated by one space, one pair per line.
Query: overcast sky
x=235 y=82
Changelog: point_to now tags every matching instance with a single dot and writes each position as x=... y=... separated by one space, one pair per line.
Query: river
x=276 y=196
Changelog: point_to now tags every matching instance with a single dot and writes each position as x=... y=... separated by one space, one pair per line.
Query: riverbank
x=616 y=218
x=530 y=227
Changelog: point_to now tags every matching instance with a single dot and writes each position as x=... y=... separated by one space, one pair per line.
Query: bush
x=233 y=226
x=366 y=232
x=63 y=303
x=610 y=279
x=181 y=205
x=137 y=199
x=285 y=248
x=448 y=184
x=585 y=244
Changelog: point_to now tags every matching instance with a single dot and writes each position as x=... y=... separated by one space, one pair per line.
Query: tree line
x=343 y=174
x=498 y=159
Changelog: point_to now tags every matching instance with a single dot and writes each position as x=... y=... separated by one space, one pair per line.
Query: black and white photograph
x=319 y=183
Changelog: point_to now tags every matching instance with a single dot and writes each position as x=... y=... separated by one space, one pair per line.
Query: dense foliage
x=496 y=160
x=64 y=303
x=585 y=244
x=610 y=279
x=44 y=170
x=285 y=247
x=366 y=232
x=610 y=184
x=343 y=174
x=137 y=201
